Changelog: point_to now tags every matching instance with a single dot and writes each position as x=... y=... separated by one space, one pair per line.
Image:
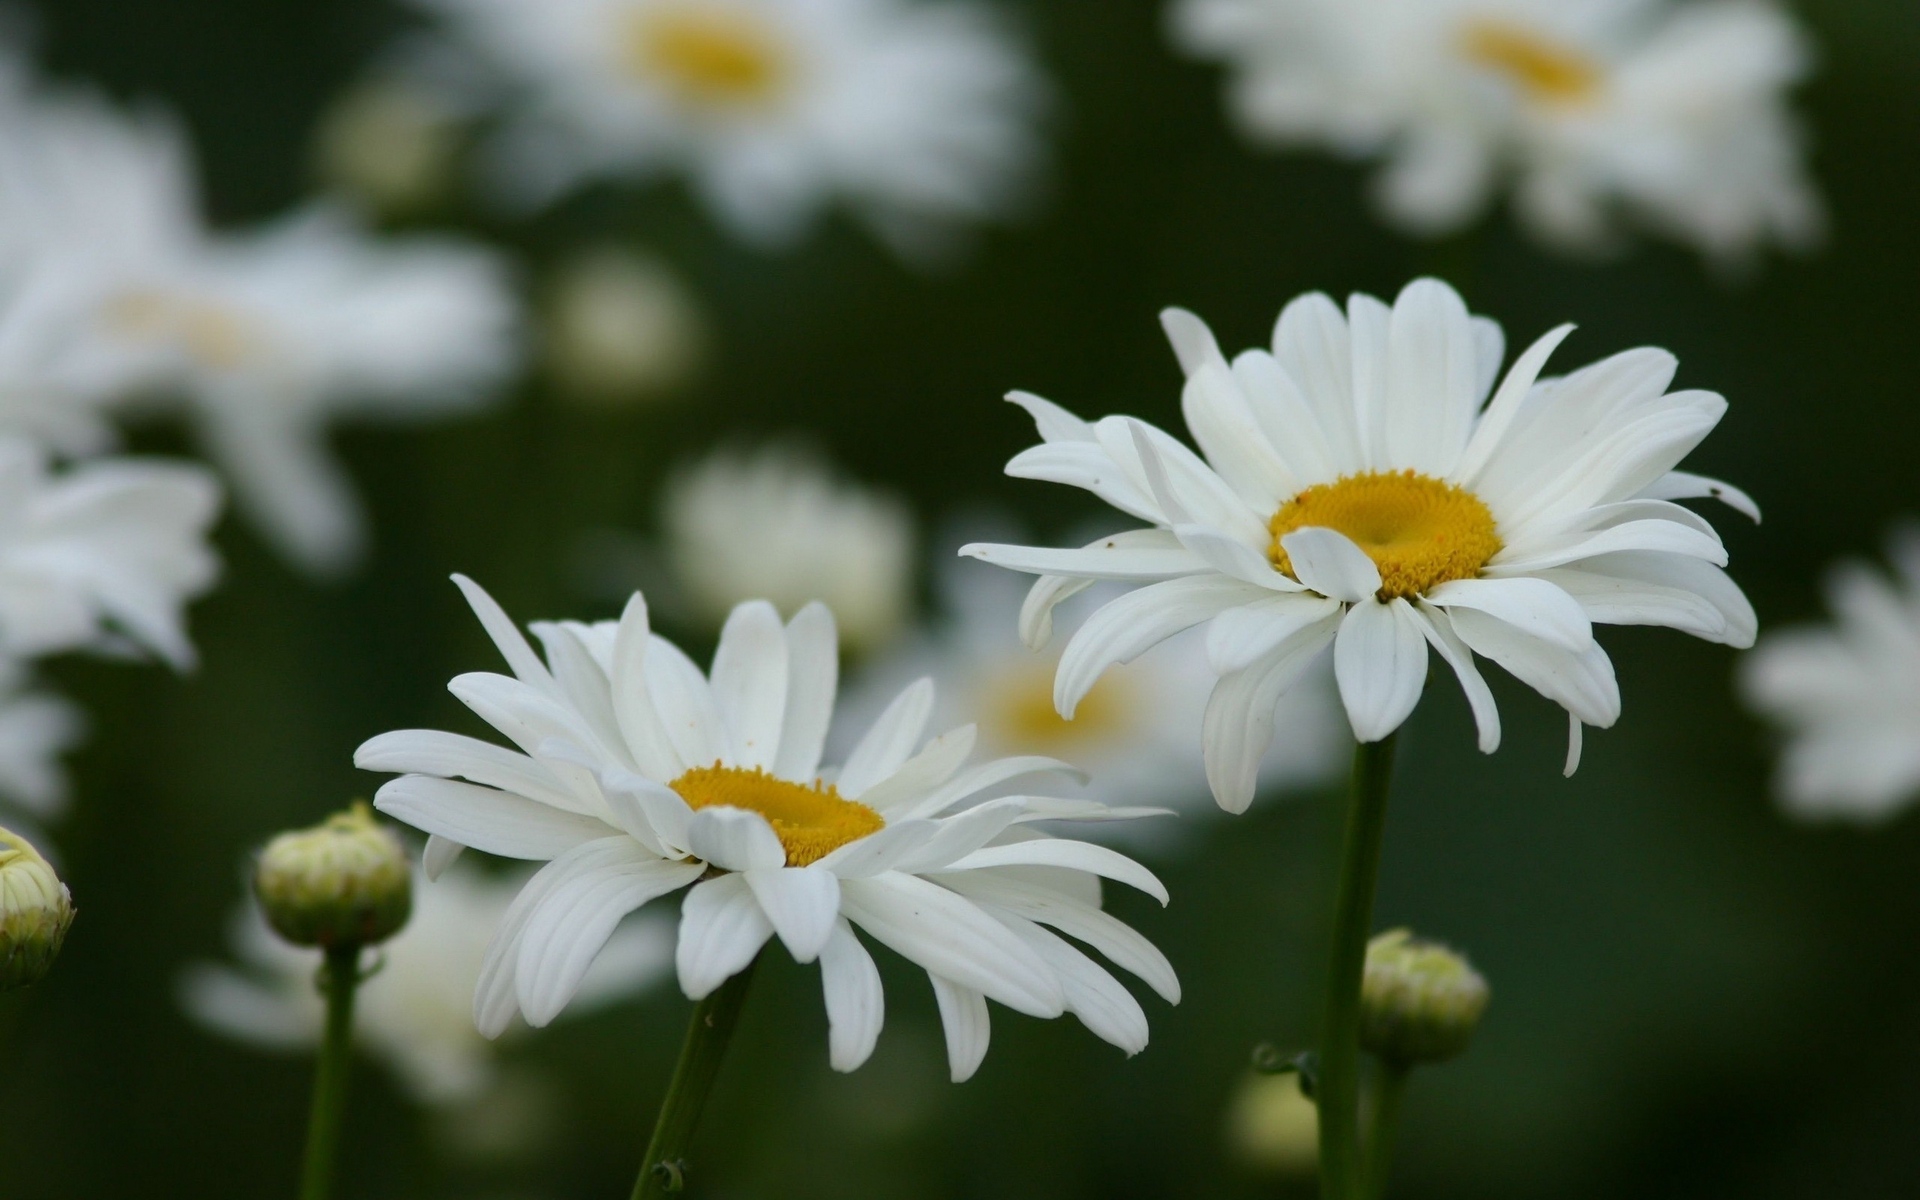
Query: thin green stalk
x=339 y=977
x=1339 y=1082
x=663 y=1171
x=1392 y=1090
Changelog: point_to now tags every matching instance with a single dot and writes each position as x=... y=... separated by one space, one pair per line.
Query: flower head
x=264 y=336
x=343 y=882
x=1673 y=112
x=917 y=115
x=1847 y=694
x=1363 y=485
x=779 y=524
x=416 y=1011
x=637 y=776
x=1419 y=1001
x=35 y=912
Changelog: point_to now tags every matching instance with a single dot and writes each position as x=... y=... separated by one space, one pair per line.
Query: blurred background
x=1693 y=996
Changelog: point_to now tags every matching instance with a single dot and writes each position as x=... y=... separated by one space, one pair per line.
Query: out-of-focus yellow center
x=706 y=57
x=1018 y=713
x=1545 y=70
x=811 y=820
x=1420 y=531
x=213 y=335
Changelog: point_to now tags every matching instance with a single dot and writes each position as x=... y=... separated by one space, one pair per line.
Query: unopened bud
x=390 y=143
x=343 y=882
x=621 y=329
x=1419 y=1001
x=35 y=911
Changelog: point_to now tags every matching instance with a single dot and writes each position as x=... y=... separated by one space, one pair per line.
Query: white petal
x=1665 y=537
x=1239 y=636
x=1184 y=488
x=1072 y=855
x=1327 y=561
x=1233 y=557
x=1312 y=343
x=1139 y=554
x=490 y=821
x=1055 y=424
x=641 y=727
x=879 y=851
x=856 y=1005
x=1380 y=659
x=1108 y=1010
x=1120 y=942
x=924 y=772
x=980 y=777
x=1238 y=725
x=521 y=659
x=1193 y=343
x=802 y=903
x=957 y=836
x=947 y=935
x=1505 y=405
x=813 y=676
x=1533 y=606
x=566 y=931
x=964 y=1017
x=1583 y=683
x=1438 y=628
x=734 y=839
x=1129 y=626
x=1574 y=741
x=682 y=697
x=750 y=681
x=1036 y=612
x=439 y=855
x=890 y=741
x=721 y=928
x=1432 y=370
x=432 y=752
x=496 y=992
x=1086 y=465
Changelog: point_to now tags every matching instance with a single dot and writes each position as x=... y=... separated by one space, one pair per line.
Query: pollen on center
x=811 y=820
x=1419 y=531
x=707 y=57
x=1544 y=69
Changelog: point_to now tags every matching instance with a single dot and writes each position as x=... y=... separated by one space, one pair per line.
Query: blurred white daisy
x=1673 y=112
x=642 y=776
x=101 y=554
x=415 y=1011
x=915 y=113
x=1847 y=694
x=265 y=336
x=1360 y=489
x=778 y=523
x=36 y=728
x=1136 y=733
x=621 y=328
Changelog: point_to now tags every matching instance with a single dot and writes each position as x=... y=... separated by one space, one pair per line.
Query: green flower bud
x=35 y=911
x=1419 y=1001
x=346 y=881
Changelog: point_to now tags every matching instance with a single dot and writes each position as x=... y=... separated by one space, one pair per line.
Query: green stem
x=1386 y=1123
x=663 y=1171
x=1339 y=1082
x=339 y=976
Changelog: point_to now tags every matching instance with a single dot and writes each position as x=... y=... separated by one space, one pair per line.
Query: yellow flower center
x=1419 y=531
x=216 y=336
x=1018 y=712
x=706 y=57
x=811 y=820
x=1545 y=70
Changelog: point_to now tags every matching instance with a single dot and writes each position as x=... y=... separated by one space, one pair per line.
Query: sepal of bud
x=1419 y=1001
x=35 y=912
x=344 y=882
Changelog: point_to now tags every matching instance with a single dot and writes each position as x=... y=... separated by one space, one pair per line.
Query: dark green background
x=1692 y=996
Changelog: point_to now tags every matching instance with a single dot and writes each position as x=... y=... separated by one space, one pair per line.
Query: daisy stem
x=1386 y=1122
x=663 y=1171
x=1339 y=1082
x=339 y=977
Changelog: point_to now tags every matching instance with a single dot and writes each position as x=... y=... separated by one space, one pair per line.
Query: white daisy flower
x=915 y=114
x=1847 y=695
x=639 y=776
x=1359 y=489
x=1674 y=112
x=103 y=553
x=266 y=336
x=778 y=523
x=1137 y=732
x=36 y=728
x=415 y=1010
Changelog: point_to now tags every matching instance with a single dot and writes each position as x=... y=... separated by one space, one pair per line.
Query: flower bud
x=343 y=882
x=35 y=910
x=621 y=329
x=1419 y=1001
